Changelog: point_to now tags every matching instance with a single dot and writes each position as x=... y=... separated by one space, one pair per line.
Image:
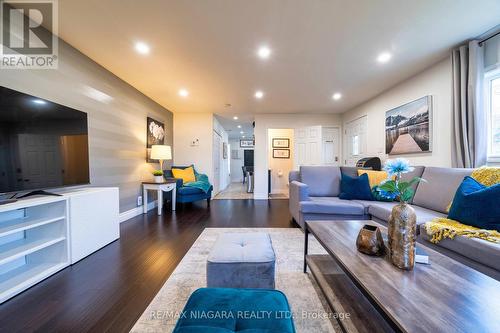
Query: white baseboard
x=283 y=191
x=260 y=196
x=127 y=215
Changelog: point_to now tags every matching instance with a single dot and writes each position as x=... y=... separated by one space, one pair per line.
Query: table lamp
x=161 y=152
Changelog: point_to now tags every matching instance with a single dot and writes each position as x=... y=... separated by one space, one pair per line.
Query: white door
x=216 y=162
x=40 y=161
x=307 y=146
x=355 y=140
x=331 y=145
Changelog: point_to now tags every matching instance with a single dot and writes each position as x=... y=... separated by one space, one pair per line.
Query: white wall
x=263 y=122
x=187 y=128
x=280 y=167
x=117 y=125
x=435 y=81
x=236 y=164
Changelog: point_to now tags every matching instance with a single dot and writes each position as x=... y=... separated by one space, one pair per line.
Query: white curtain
x=469 y=130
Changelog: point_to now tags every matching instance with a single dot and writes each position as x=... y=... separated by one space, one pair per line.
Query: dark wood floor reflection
x=109 y=290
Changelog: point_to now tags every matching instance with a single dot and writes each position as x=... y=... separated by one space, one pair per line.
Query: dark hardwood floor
x=109 y=290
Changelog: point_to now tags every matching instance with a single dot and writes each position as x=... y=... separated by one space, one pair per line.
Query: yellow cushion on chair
x=374 y=177
x=187 y=174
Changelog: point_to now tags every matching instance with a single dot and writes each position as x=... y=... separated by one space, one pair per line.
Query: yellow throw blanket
x=440 y=227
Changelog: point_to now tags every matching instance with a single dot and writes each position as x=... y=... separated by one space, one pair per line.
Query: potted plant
x=158 y=175
x=403 y=221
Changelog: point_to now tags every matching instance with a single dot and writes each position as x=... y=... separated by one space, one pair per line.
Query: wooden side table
x=159 y=188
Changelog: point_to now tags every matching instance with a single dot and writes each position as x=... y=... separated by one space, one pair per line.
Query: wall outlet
x=195 y=143
x=139 y=200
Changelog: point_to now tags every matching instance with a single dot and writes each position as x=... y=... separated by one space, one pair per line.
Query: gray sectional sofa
x=314 y=192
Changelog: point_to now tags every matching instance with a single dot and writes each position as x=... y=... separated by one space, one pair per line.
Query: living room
x=263 y=166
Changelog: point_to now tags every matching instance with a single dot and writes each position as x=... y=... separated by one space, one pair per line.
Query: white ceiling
x=318 y=47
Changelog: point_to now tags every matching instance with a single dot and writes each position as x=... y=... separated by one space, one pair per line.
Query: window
x=493 y=107
x=355 y=145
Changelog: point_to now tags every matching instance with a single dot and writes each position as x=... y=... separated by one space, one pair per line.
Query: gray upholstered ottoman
x=241 y=260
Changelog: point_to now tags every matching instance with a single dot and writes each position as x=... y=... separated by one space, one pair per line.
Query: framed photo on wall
x=408 y=128
x=155 y=136
x=247 y=143
x=281 y=153
x=281 y=143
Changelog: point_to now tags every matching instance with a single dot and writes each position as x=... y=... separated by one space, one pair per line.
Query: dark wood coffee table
x=445 y=296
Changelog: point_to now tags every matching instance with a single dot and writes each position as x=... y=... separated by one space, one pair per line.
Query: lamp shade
x=161 y=152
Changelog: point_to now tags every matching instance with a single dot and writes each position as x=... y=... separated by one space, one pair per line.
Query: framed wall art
x=281 y=153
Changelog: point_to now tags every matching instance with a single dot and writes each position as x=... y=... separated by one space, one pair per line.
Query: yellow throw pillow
x=374 y=177
x=187 y=175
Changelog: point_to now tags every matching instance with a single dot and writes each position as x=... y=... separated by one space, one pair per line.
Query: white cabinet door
x=94 y=215
x=331 y=145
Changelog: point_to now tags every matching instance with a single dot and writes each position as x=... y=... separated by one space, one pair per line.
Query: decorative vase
x=402 y=235
x=370 y=241
x=159 y=179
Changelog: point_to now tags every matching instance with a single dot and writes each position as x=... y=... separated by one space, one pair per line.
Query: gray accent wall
x=117 y=126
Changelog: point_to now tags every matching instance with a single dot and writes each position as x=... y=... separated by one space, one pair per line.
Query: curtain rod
x=484 y=40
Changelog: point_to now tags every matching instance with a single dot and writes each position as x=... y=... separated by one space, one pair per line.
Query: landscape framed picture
x=408 y=128
x=281 y=153
x=281 y=143
x=247 y=143
x=155 y=130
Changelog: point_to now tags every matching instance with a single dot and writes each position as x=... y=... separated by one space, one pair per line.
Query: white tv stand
x=41 y=235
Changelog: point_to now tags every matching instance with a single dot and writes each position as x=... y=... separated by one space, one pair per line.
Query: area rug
x=310 y=310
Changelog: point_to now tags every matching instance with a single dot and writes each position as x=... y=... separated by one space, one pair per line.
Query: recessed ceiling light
x=142 y=48
x=243 y=136
x=239 y=126
x=39 y=101
x=235 y=118
x=183 y=93
x=259 y=94
x=242 y=132
x=264 y=52
x=384 y=57
x=337 y=96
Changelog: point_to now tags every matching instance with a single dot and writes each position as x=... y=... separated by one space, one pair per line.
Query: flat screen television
x=42 y=144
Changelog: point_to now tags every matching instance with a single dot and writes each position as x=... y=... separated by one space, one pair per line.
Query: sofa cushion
x=440 y=187
x=187 y=174
x=481 y=251
x=375 y=177
x=189 y=190
x=350 y=171
x=477 y=205
x=323 y=181
x=331 y=205
x=417 y=172
x=382 y=210
x=355 y=188
x=426 y=215
x=366 y=204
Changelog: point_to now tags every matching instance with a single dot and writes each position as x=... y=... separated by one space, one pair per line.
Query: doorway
x=281 y=154
x=241 y=159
